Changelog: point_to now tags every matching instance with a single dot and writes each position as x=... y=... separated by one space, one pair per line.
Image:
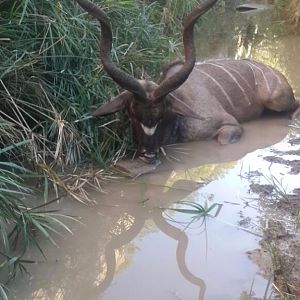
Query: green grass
x=282 y=286
x=279 y=192
x=196 y=209
x=51 y=76
x=196 y=212
x=22 y=223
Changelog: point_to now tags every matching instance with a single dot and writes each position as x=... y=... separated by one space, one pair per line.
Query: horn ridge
x=123 y=79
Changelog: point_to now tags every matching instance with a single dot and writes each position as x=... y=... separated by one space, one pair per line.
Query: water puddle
x=130 y=247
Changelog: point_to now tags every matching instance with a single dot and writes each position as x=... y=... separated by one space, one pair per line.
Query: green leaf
x=13 y=146
x=3 y=294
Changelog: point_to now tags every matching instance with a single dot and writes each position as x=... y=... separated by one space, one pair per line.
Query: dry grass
x=290 y=9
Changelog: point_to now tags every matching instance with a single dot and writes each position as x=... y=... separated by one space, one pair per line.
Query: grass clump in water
x=195 y=211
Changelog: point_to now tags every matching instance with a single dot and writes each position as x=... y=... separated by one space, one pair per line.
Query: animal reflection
x=133 y=224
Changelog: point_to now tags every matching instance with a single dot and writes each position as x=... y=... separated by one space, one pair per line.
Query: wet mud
x=293 y=159
x=278 y=255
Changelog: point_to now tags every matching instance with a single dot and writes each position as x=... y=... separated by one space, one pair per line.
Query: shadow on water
x=131 y=248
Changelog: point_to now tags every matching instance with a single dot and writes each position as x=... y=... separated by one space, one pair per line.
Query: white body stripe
x=233 y=78
x=219 y=85
x=277 y=77
x=239 y=74
x=249 y=63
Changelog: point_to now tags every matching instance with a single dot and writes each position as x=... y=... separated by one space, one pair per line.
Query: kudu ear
x=115 y=104
x=181 y=108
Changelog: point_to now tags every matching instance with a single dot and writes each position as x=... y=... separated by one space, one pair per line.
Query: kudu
x=191 y=101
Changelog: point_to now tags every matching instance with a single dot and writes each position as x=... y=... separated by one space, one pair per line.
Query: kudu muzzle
x=149 y=152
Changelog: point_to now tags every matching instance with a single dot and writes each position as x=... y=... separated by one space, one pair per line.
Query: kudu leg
x=229 y=134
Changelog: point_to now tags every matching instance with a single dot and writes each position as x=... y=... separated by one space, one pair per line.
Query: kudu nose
x=149 y=157
x=149 y=150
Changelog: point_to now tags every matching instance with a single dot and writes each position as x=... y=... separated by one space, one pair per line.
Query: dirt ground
x=278 y=257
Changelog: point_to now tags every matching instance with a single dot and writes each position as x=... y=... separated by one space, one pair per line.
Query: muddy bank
x=278 y=257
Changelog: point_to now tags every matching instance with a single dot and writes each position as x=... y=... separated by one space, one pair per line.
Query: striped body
x=226 y=93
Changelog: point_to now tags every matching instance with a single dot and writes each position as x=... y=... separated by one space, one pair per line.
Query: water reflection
x=128 y=248
x=139 y=217
x=114 y=284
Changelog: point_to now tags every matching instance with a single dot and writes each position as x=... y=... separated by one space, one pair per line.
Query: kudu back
x=191 y=101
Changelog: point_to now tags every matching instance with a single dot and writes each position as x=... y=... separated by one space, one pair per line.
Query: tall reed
x=51 y=77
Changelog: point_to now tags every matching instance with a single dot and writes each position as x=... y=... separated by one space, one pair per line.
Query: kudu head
x=150 y=106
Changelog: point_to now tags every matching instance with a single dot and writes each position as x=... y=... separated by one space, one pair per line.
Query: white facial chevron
x=149 y=130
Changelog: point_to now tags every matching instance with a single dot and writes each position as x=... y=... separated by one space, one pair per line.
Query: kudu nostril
x=149 y=158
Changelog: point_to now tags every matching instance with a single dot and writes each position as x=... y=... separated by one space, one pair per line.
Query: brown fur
x=228 y=92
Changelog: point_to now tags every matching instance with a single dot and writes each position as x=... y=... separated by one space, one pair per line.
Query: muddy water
x=130 y=248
